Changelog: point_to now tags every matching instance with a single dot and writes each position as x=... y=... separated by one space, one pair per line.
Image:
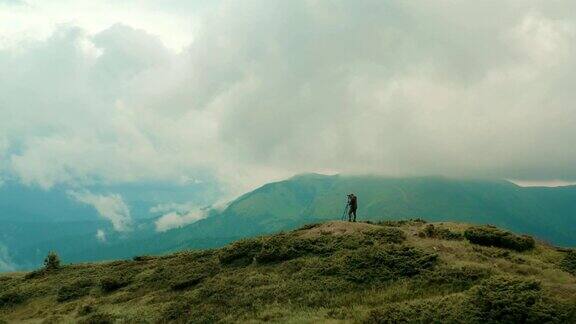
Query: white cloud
x=266 y=89
x=110 y=207
x=37 y=19
x=172 y=207
x=176 y=220
x=547 y=183
x=101 y=235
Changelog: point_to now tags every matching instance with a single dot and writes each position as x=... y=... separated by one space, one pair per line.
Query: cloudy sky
x=103 y=91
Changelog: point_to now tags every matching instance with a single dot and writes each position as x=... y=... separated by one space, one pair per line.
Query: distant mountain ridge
x=546 y=213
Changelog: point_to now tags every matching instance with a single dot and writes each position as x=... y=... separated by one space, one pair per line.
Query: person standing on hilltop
x=352 y=207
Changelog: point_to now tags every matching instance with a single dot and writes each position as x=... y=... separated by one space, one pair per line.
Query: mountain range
x=547 y=213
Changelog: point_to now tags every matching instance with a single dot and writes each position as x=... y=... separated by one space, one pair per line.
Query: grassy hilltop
x=330 y=272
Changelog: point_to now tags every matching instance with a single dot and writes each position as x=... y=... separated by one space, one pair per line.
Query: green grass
x=332 y=272
x=569 y=262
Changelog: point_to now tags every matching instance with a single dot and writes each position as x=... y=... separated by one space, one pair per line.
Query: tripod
x=343 y=218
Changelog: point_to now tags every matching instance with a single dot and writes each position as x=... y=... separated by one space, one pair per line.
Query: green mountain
x=333 y=272
x=548 y=213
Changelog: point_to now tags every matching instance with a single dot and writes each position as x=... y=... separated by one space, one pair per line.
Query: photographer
x=352 y=207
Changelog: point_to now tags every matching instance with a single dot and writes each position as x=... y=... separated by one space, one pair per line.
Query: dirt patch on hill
x=337 y=228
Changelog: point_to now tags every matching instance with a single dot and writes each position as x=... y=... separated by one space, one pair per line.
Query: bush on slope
x=492 y=236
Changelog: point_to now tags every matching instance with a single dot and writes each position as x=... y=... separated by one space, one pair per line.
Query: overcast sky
x=252 y=91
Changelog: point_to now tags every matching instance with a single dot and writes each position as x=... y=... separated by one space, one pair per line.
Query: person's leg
x=350 y=211
x=354 y=215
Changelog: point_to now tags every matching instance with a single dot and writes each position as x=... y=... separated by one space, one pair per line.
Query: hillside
x=329 y=272
x=548 y=213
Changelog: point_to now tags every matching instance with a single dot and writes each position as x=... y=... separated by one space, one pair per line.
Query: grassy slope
x=325 y=273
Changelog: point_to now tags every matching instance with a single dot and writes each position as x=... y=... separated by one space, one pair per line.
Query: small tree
x=52 y=261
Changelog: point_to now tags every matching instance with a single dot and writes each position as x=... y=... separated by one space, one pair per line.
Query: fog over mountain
x=252 y=91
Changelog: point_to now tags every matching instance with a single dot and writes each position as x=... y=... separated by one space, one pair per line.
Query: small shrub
x=387 y=235
x=52 y=261
x=140 y=258
x=428 y=231
x=184 y=311
x=5 y=283
x=34 y=274
x=457 y=279
x=285 y=247
x=491 y=236
x=86 y=309
x=382 y=264
x=492 y=252
x=98 y=318
x=432 y=231
x=506 y=299
x=397 y=223
x=280 y=248
x=241 y=252
x=328 y=244
x=111 y=284
x=11 y=298
x=449 y=309
x=73 y=291
x=510 y=300
x=569 y=262
x=495 y=300
x=180 y=309
x=551 y=310
x=187 y=283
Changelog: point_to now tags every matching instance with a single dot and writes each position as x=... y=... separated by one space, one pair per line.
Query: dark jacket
x=353 y=202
